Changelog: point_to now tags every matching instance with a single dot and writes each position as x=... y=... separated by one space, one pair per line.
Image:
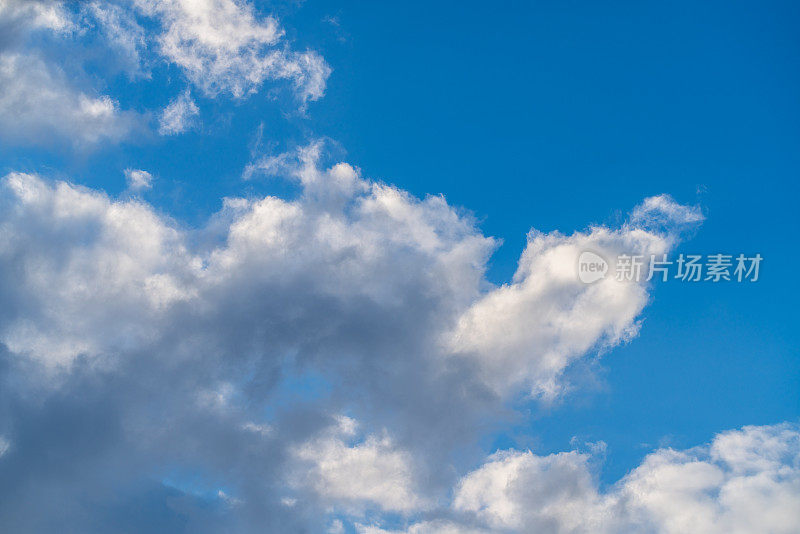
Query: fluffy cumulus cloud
x=357 y=473
x=39 y=103
x=223 y=46
x=329 y=362
x=206 y=373
x=745 y=481
x=524 y=334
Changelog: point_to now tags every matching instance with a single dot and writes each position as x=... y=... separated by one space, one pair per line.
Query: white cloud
x=352 y=474
x=356 y=284
x=223 y=46
x=167 y=346
x=85 y=292
x=38 y=14
x=745 y=481
x=123 y=33
x=307 y=70
x=521 y=491
x=178 y=116
x=138 y=179
x=662 y=210
x=424 y=527
x=349 y=239
x=524 y=334
x=37 y=103
x=336 y=527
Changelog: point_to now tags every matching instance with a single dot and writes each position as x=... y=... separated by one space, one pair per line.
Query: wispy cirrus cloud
x=122 y=33
x=36 y=14
x=179 y=116
x=138 y=179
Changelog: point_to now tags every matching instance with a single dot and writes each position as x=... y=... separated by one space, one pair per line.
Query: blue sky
x=558 y=117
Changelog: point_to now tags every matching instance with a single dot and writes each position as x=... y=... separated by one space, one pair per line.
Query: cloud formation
x=178 y=116
x=744 y=481
x=352 y=474
x=39 y=14
x=223 y=46
x=223 y=358
x=39 y=103
x=138 y=179
x=122 y=33
x=321 y=363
